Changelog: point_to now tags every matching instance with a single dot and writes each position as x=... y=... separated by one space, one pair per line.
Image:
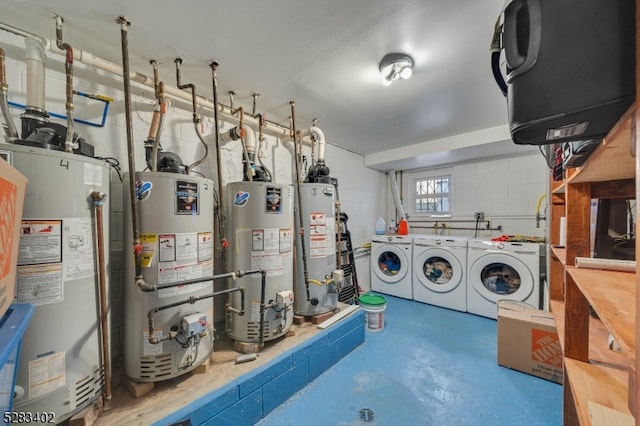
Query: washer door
x=438 y=270
x=501 y=276
x=390 y=263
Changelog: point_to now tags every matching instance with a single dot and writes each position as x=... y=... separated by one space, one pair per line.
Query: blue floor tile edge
x=255 y=394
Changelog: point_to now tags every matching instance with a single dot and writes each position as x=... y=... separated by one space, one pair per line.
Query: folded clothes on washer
x=518 y=239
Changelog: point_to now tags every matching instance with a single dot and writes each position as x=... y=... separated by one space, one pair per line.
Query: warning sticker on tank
x=151 y=348
x=92 y=174
x=40 y=242
x=255 y=311
x=78 y=249
x=148 y=238
x=285 y=240
x=146 y=258
x=271 y=250
x=46 y=374
x=205 y=246
x=187 y=197
x=40 y=284
x=167 y=247
x=273 y=200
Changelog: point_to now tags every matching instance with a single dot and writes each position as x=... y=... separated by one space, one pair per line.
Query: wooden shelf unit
x=591 y=306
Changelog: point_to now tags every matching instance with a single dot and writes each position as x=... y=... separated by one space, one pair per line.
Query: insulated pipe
x=260 y=140
x=396 y=193
x=68 y=67
x=249 y=150
x=98 y=201
x=300 y=218
x=11 y=132
x=137 y=247
x=196 y=117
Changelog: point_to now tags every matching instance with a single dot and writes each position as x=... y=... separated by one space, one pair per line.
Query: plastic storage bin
x=12 y=327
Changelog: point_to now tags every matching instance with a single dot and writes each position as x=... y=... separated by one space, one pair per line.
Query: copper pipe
x=98 y=201
x=300 y=216
x=191 y=86
x=133 y=199
x=11 y=131
x=196 y=117
x=221 y=214
x=68 y=67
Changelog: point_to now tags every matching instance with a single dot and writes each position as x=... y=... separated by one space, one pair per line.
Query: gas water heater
x=61 y=369
x=260 y=229
x=176 y=236
x=317 y=293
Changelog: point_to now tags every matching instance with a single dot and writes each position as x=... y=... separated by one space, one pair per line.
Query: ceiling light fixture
x=395 y=66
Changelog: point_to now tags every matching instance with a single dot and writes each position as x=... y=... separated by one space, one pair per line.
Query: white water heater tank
x=260 y=229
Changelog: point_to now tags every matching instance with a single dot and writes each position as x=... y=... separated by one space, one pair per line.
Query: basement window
x=432 y=195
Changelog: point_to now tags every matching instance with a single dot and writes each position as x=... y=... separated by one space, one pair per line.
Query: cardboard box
x=12 y=189
x=528 y=341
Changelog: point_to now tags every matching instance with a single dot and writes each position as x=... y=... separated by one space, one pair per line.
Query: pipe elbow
x=318 y=134
x=249 y=139
x=144 y=286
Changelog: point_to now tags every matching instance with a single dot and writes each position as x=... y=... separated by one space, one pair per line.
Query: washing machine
x=440 y=271
x=498 y=270
x=391 y=265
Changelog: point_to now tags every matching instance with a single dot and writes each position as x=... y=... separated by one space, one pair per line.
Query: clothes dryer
x=391 y=257
x=439 y=271
x=498 y=270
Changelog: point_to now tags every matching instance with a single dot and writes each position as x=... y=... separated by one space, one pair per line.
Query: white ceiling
x=323 y=55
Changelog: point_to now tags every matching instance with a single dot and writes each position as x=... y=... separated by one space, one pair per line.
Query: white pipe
x=87 y=58
x=249 y=139
x=272 y=129
x=393 y=184
x=36 y=61
x=319 y=134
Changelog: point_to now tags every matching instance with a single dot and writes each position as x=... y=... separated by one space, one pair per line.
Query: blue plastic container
x=12 y=327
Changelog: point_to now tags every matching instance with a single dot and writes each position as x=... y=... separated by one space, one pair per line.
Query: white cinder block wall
x=361 y=190
x=506 y=189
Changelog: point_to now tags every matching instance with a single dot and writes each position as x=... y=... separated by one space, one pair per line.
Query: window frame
x=432 y=175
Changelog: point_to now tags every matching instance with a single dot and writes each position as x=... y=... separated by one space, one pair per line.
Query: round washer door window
x=390 y=263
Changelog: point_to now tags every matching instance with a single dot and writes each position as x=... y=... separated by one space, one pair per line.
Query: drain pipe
x=68 y=67
x=137 y=246
x=196 y=116
x=296 y=159
x=10 y=130
x=98 y=201
x=221 y=218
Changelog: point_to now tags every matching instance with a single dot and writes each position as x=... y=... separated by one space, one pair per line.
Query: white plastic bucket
x=374 y=307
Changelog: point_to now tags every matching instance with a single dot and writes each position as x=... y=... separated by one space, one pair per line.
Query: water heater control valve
x=194 y=324
x=284 y=299
x=337 y=276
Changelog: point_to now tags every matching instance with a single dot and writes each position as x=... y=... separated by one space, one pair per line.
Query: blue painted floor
x=428 y=366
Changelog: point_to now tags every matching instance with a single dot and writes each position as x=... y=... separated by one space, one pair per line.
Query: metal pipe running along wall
x=87 y=58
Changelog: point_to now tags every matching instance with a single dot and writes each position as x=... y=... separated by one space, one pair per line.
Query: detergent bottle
x=403 y=227
x=380 y=226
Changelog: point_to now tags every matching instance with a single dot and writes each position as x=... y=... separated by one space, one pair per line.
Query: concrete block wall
x=254 y=395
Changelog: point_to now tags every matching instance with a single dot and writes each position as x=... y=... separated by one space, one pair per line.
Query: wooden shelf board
x=559 y=187
x=612 y=295
x=560 y=253
x=612 y=159
x=599 y=352
x=603 y=385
